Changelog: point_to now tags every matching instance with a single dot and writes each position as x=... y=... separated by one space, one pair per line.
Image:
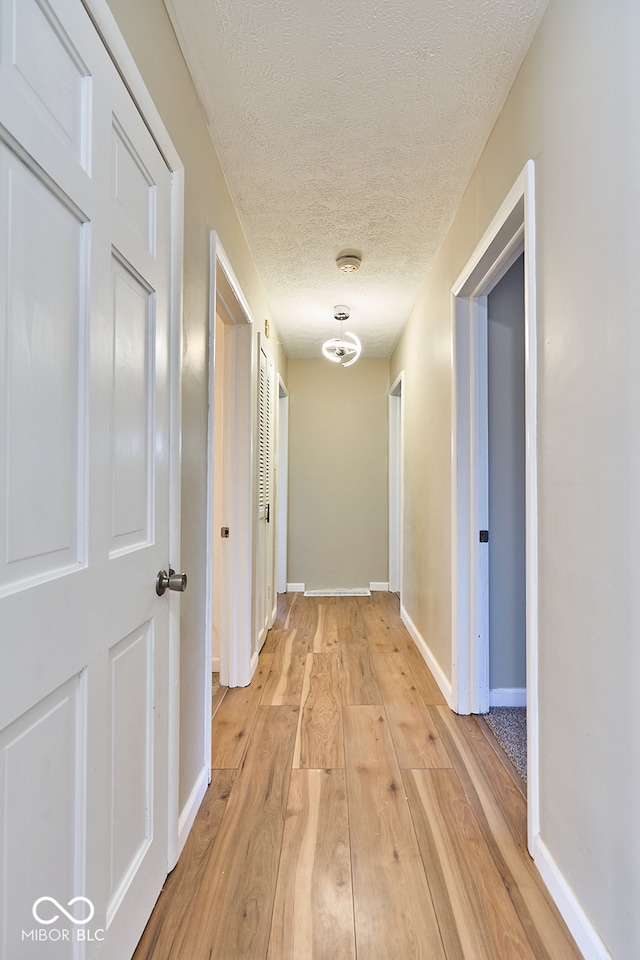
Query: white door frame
x=106 y=25
x=511 y=231
x=396 y=484
x=226 y=296
x=282 y=485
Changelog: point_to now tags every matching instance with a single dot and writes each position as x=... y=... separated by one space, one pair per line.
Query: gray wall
x=338 y=473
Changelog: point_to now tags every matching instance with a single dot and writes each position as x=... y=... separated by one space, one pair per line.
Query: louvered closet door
x=84 y=509
x=264 y=566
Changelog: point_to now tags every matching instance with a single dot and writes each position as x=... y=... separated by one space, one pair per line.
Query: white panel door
x=84 y=498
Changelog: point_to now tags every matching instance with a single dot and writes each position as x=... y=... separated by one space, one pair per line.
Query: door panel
x=42 y=777
x=132 y=411
x=131 y=679
x=85 y=211
x=44 y=277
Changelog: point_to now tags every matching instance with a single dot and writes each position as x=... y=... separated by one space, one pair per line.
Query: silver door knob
x=172 y=581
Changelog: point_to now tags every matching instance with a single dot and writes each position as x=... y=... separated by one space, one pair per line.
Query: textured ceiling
x=349 y=127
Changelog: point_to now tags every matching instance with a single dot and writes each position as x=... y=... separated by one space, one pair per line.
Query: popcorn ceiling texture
x=349 y=127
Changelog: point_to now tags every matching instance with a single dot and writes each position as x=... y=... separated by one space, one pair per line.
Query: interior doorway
x=507 y=512
x=282 y=481
x=510 y=236
x=507 y=489
x=395 y=486
x=230 y=480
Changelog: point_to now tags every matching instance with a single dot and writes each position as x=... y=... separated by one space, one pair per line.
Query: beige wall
x=338 y=467
x=208 y=206
x=574 y=110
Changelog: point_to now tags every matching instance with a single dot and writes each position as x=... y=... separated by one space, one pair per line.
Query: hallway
x=351 y=814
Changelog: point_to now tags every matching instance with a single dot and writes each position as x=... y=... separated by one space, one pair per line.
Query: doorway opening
x=230 y=483
x=395 y=486
x=510 y=237
x=507 y=503
x=282 y=481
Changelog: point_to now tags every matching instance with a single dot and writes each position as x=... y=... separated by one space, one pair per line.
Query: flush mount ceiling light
x=348 y=263
x=346 y=348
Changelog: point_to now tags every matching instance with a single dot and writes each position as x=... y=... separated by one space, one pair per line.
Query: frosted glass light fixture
x=346 y=348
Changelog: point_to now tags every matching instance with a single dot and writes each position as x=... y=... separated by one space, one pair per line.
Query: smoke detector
x=348 y=264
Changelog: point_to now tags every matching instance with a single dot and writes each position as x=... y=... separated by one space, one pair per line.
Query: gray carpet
x=509 y=725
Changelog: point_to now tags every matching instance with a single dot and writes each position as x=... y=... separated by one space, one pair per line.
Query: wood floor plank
x=359 y=681
x=380 y=615
x=429 y=689
x=325 y=638
x=283 y=686
x=313 y=910
x=272 y=640
x=387 y=606
x=285 y=602
x=171 y=914
x=476 y=915
x=499 y=749
x=414 y=734
x=382 y=638
x=217 y=696
x=349 y=615
x=234 y=717
x=319 y=741
x=303 y=613
x=234 y=904
x=394 y=913
x=500 y=811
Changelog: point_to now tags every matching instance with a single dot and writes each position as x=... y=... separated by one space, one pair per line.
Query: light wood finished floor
x=351 y=815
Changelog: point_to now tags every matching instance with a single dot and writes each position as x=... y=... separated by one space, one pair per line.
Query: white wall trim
x=295 y=588
x=430 y=660
x=191 y=807
x=378 y=585
x=339 y=592
x=508 y=697
x=582 y=930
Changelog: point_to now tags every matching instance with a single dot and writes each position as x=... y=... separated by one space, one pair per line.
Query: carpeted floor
x=509 y=726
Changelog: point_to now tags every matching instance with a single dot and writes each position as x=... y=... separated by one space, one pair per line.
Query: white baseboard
x=381 y=585
x=191 y=807
x=339 y=592
x=295 y=588
x=581 y=928
x=215 y=664
x=430 y=660
x=508 y=697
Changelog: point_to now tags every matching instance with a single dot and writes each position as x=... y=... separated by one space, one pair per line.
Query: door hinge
x=484 y=536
